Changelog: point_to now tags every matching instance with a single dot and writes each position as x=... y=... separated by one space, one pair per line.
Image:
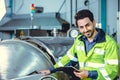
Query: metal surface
x=58 y=46
x=47 y=78
x=19 y=58
x=36 y=77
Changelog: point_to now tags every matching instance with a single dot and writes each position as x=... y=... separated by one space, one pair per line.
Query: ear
x=94 y=22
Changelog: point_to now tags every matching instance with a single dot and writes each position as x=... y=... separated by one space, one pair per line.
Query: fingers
x=81 y=74
x=76 y=70
x=44 y=72
x=77 y=74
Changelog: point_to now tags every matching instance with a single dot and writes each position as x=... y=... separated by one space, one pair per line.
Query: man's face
x=86 y=27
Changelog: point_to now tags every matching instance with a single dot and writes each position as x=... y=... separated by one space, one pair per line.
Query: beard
x=89 y=33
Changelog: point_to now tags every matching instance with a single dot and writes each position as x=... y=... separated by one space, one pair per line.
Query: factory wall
x=112 y=16
x=93 y=5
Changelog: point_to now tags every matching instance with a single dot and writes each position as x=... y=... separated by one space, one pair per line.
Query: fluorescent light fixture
x=2 y=9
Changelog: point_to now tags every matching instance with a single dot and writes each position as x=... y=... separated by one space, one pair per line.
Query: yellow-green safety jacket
x=103 y=58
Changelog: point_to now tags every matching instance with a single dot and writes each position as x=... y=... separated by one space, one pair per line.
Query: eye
x=80 y=27
x=87 y=25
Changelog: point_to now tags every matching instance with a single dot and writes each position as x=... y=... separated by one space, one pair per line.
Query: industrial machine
x=20 y=58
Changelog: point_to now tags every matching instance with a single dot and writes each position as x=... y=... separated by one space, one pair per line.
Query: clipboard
x=70 y=71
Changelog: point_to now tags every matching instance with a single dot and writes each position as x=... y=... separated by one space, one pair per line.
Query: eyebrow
x=85 y=24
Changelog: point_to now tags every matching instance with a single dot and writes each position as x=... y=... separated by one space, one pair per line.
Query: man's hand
x=81 y=74
x=44 y=72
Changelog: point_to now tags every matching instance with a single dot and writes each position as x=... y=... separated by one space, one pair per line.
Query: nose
x=85 y=29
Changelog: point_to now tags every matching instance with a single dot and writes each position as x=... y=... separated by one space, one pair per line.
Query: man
x=96 y=52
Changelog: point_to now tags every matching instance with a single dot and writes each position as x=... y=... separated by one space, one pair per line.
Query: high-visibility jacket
x=103 y=57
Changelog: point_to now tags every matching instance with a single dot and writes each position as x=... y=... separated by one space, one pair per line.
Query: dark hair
x=83 y=14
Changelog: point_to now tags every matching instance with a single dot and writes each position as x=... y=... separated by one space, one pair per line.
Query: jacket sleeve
x=69 y=56
x=110 y=70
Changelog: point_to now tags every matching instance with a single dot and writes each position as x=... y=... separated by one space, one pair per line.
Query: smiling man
x=96 y=52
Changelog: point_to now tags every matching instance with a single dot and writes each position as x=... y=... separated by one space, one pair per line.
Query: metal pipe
x=118 y=5
x=11 y=8
x=103 y=14
x=71 y=6
x=76 y=6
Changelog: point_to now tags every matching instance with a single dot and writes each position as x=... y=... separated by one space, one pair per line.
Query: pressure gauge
x=74 y=33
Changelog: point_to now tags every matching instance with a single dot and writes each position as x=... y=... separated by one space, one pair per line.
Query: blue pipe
x=11 y=35
x=103 y=14
x=11 y=8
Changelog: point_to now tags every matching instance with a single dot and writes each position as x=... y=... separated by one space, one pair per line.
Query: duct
x=19 y=58
x=23 y=21
x=43 y=21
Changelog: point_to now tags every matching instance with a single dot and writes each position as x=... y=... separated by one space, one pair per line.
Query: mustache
x=87 y=31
